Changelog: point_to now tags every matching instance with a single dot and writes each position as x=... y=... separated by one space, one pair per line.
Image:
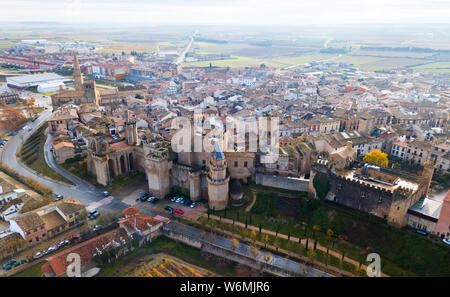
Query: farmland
x=234 y=62
x=435 y=67
x=379 y=63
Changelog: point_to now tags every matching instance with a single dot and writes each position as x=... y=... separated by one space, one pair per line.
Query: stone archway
x=112 y=173
x=123 y=165
x=130 y=160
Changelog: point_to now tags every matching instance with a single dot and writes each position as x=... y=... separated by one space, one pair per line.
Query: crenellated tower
x=218 y=180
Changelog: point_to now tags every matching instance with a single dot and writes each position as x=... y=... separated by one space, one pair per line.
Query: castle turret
x=131 y=134
x=157 y=168
x=218 y=180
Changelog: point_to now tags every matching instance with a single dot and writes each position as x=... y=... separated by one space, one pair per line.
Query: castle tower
x=218 y=180
x=77 y=75
x=157 y=168
x=91 y=94
x=131 y=134
x=195 y=185
x=99 y=164
x=427 y=175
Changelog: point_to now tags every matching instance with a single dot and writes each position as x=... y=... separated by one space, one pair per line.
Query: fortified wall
x=380 y=198
x=288 y=183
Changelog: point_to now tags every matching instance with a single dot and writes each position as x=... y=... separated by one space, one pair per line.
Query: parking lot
x=189 y=213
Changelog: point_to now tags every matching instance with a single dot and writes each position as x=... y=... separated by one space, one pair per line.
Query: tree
x=266 y=240
x=234 y=244
x=29 y=105
x=276 y=243
x=12 y=118
x=321 y=185
x=376 y=157
x=311 y=254
x=253 y=235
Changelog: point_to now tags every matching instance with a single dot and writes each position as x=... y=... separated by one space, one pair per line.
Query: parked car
x=421 y=232
x=63 y=243
x=7 y=267
x=153 y=199
x=51 y=249
x=58 y=197
x=174 y=199
x=179 y=211
x=74 y=237
x=23 y=261
x=9 y=262
x=93 y=214
x=188 y=202
x=16 y=264
x=170 y=209
x=193 y=204
x=145 y=195
x=446 y=241
x=105 y=194
x=96 y=228
x=178 y=200
x=38 y=255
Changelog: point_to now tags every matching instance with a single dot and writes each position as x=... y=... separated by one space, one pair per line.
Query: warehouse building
x=44 y=83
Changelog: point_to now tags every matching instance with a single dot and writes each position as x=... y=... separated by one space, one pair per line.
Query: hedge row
x=28 y=181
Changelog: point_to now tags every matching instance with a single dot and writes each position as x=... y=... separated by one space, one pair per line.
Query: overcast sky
x=227 y=12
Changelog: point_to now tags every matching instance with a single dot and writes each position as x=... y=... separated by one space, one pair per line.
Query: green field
x=220 y=48
x=302 y=59
x=33 y=271
x=379 y=63
x=394 y=54
x=235 y=62
x=435 y=67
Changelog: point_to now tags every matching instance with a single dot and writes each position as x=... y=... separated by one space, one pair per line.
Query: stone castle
x=204 y=175
x=382 y=192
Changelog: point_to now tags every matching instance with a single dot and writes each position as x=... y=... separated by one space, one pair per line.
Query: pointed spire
x=77 y=75
x=217 y=153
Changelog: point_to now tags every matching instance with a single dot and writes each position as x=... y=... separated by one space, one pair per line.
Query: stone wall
x=288 y=183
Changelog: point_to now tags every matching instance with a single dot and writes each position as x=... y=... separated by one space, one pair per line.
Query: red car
x=179 y=211
x=74 y=237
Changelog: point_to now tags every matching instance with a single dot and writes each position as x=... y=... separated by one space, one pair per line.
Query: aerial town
x=92 y=163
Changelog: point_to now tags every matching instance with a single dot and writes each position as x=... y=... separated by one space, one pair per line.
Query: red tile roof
x=130 y=211
x=58 y=262
x=143 y=222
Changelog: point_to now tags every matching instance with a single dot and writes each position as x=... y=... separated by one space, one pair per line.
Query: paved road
x=181 y=57
x=82 y=191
